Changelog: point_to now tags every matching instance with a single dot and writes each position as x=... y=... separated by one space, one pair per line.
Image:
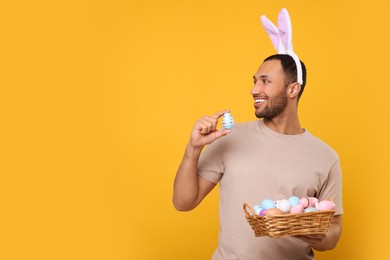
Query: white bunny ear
x=285 y=33
x=273 y=33
x=281 y=38
x=285 y=29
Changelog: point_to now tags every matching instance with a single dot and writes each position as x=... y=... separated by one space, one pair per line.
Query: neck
x=286 y=123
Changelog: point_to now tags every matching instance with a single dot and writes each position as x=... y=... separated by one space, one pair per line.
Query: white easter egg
x=284 y=205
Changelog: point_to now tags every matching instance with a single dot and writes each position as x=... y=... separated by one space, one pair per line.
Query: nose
x=257 y=88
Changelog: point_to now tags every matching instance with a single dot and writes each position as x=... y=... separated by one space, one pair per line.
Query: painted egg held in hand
x=227 y=121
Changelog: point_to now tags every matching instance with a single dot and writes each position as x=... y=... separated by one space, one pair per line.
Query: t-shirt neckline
x=271 y=132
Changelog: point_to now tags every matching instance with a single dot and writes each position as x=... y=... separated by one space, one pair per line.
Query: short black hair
x=290 y=69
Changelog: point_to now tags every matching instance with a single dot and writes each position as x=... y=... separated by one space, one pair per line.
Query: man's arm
x=189 y=187
x=328 y=241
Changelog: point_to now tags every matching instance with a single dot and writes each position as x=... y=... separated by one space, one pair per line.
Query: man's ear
x=293 y=89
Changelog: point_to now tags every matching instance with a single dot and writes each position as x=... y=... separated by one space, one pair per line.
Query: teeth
x=260 y=100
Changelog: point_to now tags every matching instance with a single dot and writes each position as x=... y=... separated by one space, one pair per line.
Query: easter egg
x=326 y=205
x=273 y=211
x=262 y=212
x=227 y=121
x=311 y=209
x=298 y=208
x=294 y=200
x=257 y=209
x=284 y=205
x=267 y=204
x=313 y=201
x=305 y=201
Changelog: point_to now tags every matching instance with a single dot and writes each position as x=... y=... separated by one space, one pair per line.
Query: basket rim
x=252 y=213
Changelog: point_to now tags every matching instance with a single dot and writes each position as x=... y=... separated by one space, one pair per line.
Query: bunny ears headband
x=281 y=38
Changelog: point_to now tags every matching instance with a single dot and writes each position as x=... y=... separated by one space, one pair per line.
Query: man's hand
x=313 y=239
x=189 y=188
x=322 y=242
x=205 y=130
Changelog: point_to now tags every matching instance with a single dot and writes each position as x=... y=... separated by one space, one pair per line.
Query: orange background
x=98 y=99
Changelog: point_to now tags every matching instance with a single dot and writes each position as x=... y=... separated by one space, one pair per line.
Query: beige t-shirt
x=253 y=163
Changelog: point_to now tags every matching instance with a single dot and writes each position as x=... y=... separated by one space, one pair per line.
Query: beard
x=274 y=107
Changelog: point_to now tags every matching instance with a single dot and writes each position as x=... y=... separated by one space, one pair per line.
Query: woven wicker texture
x=277 y=226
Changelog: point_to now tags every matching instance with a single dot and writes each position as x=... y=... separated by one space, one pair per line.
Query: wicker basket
x=277 y=226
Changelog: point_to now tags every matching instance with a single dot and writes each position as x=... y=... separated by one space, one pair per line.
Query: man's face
x=269 y=91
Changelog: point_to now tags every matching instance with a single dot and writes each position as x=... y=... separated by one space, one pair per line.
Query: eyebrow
x=261 y=77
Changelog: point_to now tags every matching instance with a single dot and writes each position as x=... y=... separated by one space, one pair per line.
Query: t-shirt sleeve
x=211 y=166
x=332 y=187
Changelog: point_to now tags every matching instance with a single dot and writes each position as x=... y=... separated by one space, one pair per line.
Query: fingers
x=219 y=134
x=311 y=239
x=208 y=124
x=205 y=130
x=220 y=113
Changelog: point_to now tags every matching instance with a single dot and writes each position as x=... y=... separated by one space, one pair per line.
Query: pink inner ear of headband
x=281 y=37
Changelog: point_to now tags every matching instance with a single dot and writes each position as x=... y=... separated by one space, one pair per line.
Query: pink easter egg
x=326 y=205
x=313 y=201
x=298 y=208
x=305 y=202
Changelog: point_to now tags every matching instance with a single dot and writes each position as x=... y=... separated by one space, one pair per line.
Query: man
x=272 y=157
